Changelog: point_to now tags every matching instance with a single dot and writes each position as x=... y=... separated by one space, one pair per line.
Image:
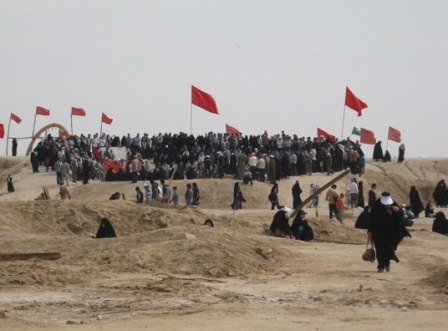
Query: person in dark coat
x=280 y=223
x=440 y=224
x=238 y=198
x=378 y=151
x=415 y=202
x=361 y=202
x=386 y=230
x=300 y=227
x=10 y=185
x=440 y=194
x=296 y=191
x=387 y=157
x=106 y=230
x=401 y=150
x=273 y=198
x=372 y=195
x=14 y=147
x=34 y=162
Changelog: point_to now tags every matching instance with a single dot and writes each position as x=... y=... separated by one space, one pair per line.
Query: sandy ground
x=166 y=271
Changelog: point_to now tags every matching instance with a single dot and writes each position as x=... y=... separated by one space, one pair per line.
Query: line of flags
x=368 y=137
x=206 y=101
x=75 y=112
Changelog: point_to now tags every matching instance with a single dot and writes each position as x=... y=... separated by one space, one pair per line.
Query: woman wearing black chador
x=378 y=152
x=10 y=185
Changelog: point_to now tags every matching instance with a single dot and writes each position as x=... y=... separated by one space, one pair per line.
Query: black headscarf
x=106 y=230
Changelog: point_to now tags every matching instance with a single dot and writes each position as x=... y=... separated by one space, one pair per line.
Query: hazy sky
x=270 y=65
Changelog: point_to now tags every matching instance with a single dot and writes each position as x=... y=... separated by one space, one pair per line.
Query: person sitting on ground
x=429 y=210
x=209 y=222
x=408 y=215
x=300 y=227
x=363 y=220
x=106 y=230
x=440 y=224
x=115 y=196
x=280 y=223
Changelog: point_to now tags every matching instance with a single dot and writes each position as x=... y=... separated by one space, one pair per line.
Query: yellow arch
x=46 y=127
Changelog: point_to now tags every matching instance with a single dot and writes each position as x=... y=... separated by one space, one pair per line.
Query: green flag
x=356 y=131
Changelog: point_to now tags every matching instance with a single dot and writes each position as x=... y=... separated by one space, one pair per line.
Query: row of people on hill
x=195 y=157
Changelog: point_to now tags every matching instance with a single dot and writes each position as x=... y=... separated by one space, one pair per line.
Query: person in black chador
x=10 y=185
x=387 y=157
x=273 y=198
x=440 y=194
x=386 y=230
x=106 y=230
x=14 y=147
x=296 y=191
x=429 y=211
x=378 y=151
x=280 y=223
x=440 y=224
x=415 y=202
x=238 y=198
x=361 y=202
x=300 y=227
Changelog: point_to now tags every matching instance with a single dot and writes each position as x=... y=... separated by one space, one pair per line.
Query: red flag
x=62 y=133
x=322 y=133
x=394 y=135
x=106 y=119
x=2 y=131
x=109 y=164
x=353 y=102
x=203 y=100
x=78 y=112
x=367 y=137
x=231 y=130
x=16 y=118
x=42 y=111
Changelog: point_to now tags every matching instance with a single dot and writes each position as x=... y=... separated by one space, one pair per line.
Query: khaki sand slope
x=166 y=271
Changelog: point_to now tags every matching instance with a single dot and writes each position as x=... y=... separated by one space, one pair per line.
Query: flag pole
x=387 y=143
x=191 y=118
x=7 y=136
x=71 y=122
x=343 y=120
x=34 y=124
x=101 y=127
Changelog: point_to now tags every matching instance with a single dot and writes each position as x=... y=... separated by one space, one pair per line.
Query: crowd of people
x=263 y=157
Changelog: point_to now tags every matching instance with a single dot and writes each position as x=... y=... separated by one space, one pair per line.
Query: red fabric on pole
x=109 y=164
x=16 y=118
x=78 y=112
x=353 y=102
x=367 y=137
x=394 y=135
x=106 y=119
x=203 y=100
x=2 y=131
x=42 y=111
x=231 y=130
x=62 y=133
x=322 y=133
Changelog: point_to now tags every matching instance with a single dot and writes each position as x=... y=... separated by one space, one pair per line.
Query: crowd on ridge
x=268 y=157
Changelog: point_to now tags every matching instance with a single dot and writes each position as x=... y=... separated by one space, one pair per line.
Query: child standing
x=340 y=206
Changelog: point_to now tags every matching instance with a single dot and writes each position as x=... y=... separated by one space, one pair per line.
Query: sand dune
x=167 y=271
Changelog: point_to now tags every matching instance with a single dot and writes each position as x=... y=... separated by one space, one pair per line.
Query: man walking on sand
x=332 y=197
